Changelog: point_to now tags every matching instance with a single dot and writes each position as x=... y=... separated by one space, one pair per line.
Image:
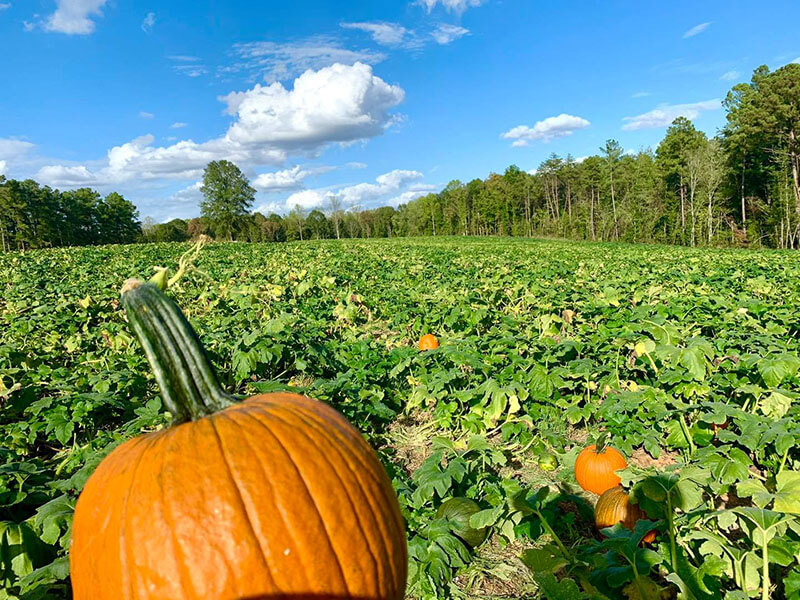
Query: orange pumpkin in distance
x=594 y=470
x=614 y=507
x=428 y=342
x=277 y=496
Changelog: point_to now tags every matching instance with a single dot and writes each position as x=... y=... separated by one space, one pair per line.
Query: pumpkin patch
x=549 y=345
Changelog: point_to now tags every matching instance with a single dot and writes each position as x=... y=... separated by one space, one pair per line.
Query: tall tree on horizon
x=612 y=152
x=227 y=196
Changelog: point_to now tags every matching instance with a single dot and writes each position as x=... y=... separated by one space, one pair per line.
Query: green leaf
x=787 y=494
x=485 y=518
x=694 y=362
x=755 y=489
x=553 y=589
x=775 y=405
x=547 y=559
x=58 y=570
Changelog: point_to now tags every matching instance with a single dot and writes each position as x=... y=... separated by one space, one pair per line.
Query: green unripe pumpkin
x=458 y=511
x=547 y=462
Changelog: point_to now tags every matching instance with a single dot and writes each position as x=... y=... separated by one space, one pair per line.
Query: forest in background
x=740 y=188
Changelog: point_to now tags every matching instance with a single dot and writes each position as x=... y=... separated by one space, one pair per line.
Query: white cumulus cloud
x=388 y=183
x=697 y=29
x=3 y=165
x=417 y=191
x=665 y=114
x=363 y=195
x=188 y=195
x=66 y=175
x=286 y=179
x=337 y=104
x=73 y=16
x=306 y=199
x=11 y=148
x=546 y=130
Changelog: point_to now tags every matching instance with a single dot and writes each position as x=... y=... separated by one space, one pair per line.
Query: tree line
x=36 y=216
x=740 y=187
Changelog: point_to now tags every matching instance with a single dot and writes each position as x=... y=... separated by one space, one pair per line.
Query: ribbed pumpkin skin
x=428 y=342
x=277 y=496
x=613 y=507
x=595 y=472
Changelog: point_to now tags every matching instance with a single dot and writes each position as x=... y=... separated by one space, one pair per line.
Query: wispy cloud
x=696 y=30
x=545 y=130
x=457 y=6
x=146 y=115
x=178 y=125
x=386 y=34
x=730 y=75
x=191 y=66
x=640 y=95
x=665 y=114
x=148 y=22
x=396 y=36
x=446 y=33
x=183 y=58
x=273 y=61
x=5 y=5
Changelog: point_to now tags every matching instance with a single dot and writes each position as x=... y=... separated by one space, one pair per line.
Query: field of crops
x=686 y=360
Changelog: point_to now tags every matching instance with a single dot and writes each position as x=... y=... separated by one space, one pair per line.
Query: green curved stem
x=188 y=383
x=556 y=539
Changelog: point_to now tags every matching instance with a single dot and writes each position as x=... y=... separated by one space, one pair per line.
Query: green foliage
x=227 y=195
x=34 y=216
x=684 y=356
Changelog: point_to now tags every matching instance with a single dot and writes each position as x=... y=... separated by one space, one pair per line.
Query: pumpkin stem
x=600 y=446
x=188 y=383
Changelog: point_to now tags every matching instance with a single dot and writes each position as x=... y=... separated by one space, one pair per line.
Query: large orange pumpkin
x=594 y=469
x=277 y=496
x=428 y=342
x=614 y=507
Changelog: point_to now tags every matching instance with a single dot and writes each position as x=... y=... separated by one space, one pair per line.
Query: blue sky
x=376 y=102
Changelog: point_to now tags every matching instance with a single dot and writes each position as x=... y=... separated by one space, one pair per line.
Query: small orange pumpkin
x=614 y=507
x=277 y=496
x=428 y=342
x=594 y=469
